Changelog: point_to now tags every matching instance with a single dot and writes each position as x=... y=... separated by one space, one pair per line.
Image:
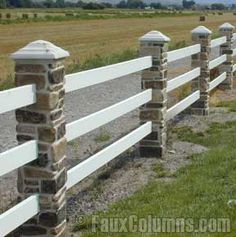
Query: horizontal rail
x=218 y=61
x=219 y=41
x=217 y=81
x=234 y=52
x=183 y=79
x=98 y=75
x=182 y=105
x=85 y=168
x=95 y=120
x=183 y=53
x=17 y=97
x=18 y=215
x=18 y=156
x=234 y=68
x=234 y=36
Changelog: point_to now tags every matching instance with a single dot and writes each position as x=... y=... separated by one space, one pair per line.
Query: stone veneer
x=227 y=48
x=155 y=44
x=201 y=35
x=41 y=63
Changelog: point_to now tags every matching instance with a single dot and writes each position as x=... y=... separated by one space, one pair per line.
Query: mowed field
x=88 y=38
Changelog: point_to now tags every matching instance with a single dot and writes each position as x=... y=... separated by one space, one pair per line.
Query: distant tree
x=122 y=4
x=3 y=4
x=188 y=4
x=93 y=6
x=80 y=4
x=107 y=5
x=233 y=6
x=26 y=3
x=156 y=5
x=14 y=3
x=135 y=4
x=60 y=3
x=48 y=3
x=218 y=6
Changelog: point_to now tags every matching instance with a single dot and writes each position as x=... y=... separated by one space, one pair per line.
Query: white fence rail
x=217 y=81
x=234 y=68
x=219 y=41
x=234 y=52
x=18 y=156
x=218 y=61
x=98 y=160
x=18 y=215
x=183 y=53
x=95 y=76
x=182 y=79
x=17 y=98
x=182 y=105
x=95 y=120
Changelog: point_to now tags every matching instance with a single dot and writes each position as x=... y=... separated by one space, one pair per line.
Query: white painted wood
x=182 y=105
x=234 y=52
x=219 y=41
x=218 y=61
x=18 y=156
x=217 y=81
x=234 y=37
x=234 y=68
x=183 y=53
x=18 y=215
x=98 y=75
x=97 y=119
x=85 y=168
x=17 y=97
x=183 y=79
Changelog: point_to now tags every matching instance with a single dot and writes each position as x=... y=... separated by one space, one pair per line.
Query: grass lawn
x=200 y=190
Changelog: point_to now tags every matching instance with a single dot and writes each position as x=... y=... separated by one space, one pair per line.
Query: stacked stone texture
x=155 y=44
x=227 y=48
x=202 y=36
x=43 y=121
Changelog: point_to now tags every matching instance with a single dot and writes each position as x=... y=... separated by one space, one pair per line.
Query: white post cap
x=40 y=50
x=154 y=36
x=227 y=26
x=201 y=30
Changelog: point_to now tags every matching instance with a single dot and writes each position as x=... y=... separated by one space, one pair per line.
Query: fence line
x=9 y=160
x=15 y=99
x=45 y=120
x=85 y=168
x=218 y=61
x=95 y=120
x=91 y=77
x=182 y=79
x=219 y=41
x=182 y=53
x=18 y=214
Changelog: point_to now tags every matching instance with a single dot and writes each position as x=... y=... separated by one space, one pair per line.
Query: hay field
x=87 y=38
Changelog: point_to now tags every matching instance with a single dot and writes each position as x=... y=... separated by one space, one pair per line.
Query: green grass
x=103 y=136
x=228 y=104
x=200 y=190
x=100 y=60
x=80 y=14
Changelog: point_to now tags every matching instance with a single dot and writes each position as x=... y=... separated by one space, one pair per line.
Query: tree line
x=130 y=4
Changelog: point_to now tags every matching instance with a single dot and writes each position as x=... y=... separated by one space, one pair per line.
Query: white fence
x=27 y=152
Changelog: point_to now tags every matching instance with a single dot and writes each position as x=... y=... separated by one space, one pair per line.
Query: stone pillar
x=155 y=44
x=227 y=48
x=201 y=35
x=41 y=63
